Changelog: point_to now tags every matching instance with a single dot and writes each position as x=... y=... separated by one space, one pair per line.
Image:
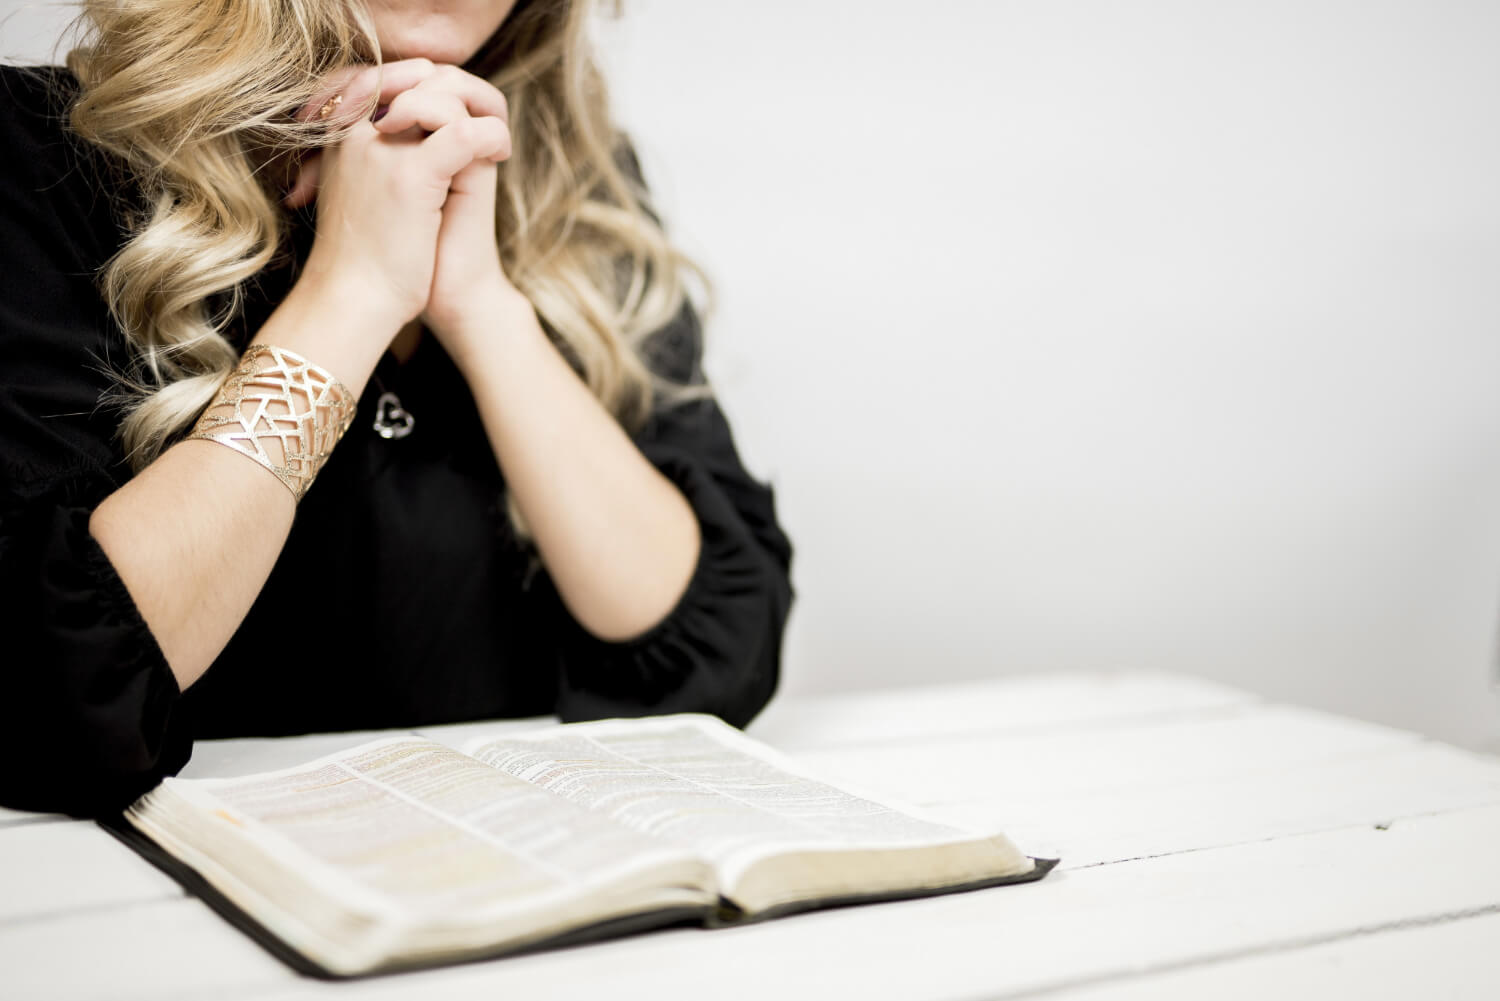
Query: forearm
x=195 y=535
x=617 y=537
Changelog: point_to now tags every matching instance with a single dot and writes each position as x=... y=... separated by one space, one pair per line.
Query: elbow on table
x=719 y=655
x=759 y=674
x=82 y=771
x=747 y=671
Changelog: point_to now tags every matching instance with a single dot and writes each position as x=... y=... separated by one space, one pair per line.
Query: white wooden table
x=1214 y=846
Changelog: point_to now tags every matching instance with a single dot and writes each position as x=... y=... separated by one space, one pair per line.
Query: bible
x=404 y=852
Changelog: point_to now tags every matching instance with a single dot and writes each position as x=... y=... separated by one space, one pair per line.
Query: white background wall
x=1088 y=334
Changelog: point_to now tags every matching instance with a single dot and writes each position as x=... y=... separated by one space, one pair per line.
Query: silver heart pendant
x=391 y=421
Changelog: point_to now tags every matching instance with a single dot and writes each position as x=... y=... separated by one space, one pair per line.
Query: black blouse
x=402 y=597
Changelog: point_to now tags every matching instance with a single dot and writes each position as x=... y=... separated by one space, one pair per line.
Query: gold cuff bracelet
x=281 y=410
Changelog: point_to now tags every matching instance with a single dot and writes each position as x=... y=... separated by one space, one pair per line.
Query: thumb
x=480 y=179
x=469 y=212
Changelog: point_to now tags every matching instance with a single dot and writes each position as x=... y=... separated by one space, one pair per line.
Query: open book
x=405 y=852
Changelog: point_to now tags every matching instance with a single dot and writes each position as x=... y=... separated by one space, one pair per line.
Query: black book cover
x=724 y=915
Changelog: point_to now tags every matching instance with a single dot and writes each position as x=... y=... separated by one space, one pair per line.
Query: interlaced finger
x=421 y=108
x=355 y=91
x=458 y=144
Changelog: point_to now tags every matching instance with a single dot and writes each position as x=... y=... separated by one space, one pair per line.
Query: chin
x=439 y=51
x=451 y=37
x=440 y=39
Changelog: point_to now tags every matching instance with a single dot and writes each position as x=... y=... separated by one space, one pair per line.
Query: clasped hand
x=406 y=202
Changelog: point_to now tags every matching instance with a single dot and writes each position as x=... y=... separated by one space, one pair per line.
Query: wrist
x=487 y=329
x=333 y=325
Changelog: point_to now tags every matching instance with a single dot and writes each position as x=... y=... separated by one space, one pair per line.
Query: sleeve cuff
x=716 y=651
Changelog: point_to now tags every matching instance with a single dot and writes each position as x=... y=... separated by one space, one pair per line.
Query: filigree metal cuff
x=281 y=410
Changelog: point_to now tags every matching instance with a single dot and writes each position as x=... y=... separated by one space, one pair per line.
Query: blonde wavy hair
x=193 y=98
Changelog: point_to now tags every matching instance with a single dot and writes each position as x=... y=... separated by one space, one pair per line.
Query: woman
x=223 y=223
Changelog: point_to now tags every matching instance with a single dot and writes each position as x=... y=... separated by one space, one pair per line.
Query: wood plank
x=9 y=817
x=47 y=869
x=1076 y=928
x=1014 y=704
x=1453 y=960
x=1106 y=757
x=161 y=951
x=1115 y=825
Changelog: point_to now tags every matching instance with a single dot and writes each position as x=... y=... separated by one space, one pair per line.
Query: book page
x=411 y=829
x=696 y=781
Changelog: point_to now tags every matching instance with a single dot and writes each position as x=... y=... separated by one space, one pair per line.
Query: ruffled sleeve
x=88 y=722
x=719 y=650
x=87 y=701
